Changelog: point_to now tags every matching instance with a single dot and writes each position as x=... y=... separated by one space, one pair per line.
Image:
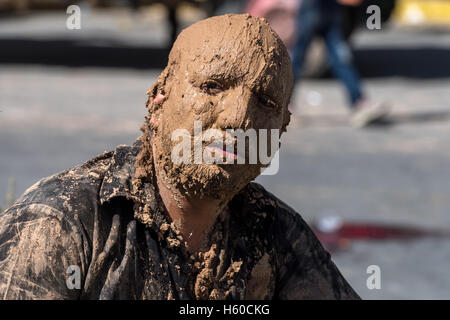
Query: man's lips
x=221 y=148
x=224 y=152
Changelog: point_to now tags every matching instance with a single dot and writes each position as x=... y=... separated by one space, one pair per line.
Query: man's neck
x=193 y=217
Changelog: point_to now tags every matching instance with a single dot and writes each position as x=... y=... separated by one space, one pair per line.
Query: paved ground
x=54 y=116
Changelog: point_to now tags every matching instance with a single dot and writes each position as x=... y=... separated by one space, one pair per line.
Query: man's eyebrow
x=205 y=75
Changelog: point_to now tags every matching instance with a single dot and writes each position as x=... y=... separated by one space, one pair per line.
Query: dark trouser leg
x=307 y=24
x=342 y=62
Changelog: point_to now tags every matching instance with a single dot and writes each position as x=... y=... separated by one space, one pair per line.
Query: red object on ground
x=334 y=233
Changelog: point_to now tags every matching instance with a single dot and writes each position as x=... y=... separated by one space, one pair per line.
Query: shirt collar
x=118 y=180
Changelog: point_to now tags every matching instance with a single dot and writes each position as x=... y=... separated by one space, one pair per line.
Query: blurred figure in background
x=281 y=14
x=323 y=18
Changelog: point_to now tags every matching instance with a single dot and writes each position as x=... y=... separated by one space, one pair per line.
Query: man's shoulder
x=287 y=225
x=57 y=190
x=268 y=201
x=78 y=189
x=305 y=268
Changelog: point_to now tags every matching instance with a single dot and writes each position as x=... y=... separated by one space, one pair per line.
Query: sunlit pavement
x=54 y=117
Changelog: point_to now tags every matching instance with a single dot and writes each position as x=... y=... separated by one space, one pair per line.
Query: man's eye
x=267 y=102
x=211 y=87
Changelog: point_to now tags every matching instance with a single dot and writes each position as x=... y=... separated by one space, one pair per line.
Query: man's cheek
x=204 y=106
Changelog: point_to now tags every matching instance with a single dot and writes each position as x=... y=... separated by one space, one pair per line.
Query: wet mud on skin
x=240 y=267
x=237 y=267
x=219 y=70
x=228 y=72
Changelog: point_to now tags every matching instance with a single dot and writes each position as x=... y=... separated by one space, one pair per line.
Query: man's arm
x=37 y=246
x=306 y=270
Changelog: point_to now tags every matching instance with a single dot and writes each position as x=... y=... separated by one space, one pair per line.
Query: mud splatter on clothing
x=117 y=232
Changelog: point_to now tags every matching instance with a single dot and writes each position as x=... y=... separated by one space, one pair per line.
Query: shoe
x=367 y=113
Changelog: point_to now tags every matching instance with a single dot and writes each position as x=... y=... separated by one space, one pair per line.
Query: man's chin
x=217 y=181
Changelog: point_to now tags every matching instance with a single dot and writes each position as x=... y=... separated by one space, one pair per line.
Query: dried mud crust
x=237 y=267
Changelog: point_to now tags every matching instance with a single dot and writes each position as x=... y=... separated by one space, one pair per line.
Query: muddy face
x=229 y=72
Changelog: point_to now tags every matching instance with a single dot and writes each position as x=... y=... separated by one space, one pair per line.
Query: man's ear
x=156 y=95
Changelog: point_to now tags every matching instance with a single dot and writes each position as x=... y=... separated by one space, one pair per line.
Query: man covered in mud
x=134 y=224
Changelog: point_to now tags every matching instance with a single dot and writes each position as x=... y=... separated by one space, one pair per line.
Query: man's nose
x=238 y=103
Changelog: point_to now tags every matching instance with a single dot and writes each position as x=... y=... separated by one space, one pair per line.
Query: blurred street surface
x=55 y=116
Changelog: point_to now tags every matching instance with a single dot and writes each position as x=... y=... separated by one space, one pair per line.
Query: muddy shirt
x=83 y=222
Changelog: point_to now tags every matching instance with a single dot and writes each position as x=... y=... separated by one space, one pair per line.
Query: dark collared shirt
x=84 y=222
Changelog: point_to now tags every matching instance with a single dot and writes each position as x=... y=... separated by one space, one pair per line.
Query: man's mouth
x=216 y=146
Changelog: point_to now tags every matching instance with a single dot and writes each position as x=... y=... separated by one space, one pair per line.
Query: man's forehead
x=237 y=49
x=248 y=66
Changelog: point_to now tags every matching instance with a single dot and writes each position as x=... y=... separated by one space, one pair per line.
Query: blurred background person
x=323 y=18
x=281 y=14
